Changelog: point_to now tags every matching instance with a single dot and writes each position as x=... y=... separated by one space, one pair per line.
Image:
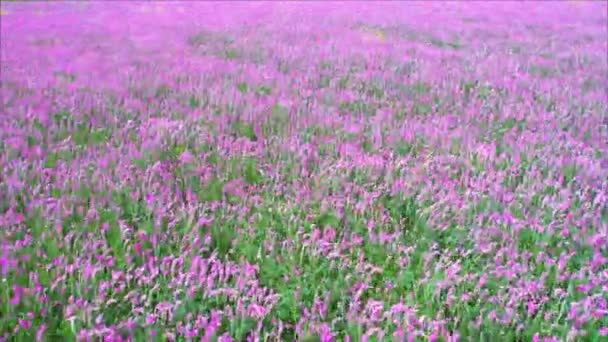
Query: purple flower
x=585 y=287
x=186 y=157
x=25 y=324
x=257 y=311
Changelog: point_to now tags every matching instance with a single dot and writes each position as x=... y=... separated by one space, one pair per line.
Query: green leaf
x=66 y=155
x=263 y=90
x=243 y=88
x=194 y=102
x=245 y=130
x=56 y=193
x=404 y=148
x=51 y=248
x=51 y=161
x=82 y=135
x=62 y=116
x=244 y=327
x=43 y=276
x=31 y=141
x=569 y=171
x=221 y=238
x=252 y=172
x=231 y=54
x=328 y=219
x=114 y=239
x=420 y=88
x=84 y=192
x=213 y=191
x=38 y=126
x=140 y=163
x=100 y=136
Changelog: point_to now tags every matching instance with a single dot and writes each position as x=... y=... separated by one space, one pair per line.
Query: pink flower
x=235 y=187
x=25 y=324
x=482 y=280
x=149 y=198
x=40 y=333
x=186 y=157
x=137 y=247
x=151 y=319
x=585 y=288
x=257 y=311
x=326 y=334
x=225 y=338
x=329 y=234
x=399 y=308
x=205 y=221
x=532 y=307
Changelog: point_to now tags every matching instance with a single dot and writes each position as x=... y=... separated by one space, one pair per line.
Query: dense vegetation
x=304 y=171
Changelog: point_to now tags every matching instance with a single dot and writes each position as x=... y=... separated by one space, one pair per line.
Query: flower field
x=284 y=171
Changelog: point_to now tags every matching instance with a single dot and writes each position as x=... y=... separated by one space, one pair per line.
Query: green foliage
x=194 y=102
x=243 y=129
x=263 y=90
x=252 y=173
x=213 y=191
x=243 y=87
x=232 y=54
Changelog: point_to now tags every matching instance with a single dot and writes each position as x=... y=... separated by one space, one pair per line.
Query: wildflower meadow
x=304 y=171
